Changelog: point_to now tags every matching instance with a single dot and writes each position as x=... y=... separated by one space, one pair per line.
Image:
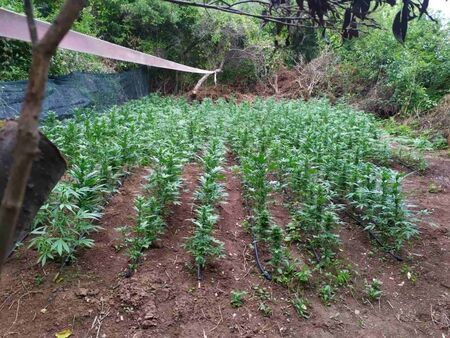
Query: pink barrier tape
x=14 y=26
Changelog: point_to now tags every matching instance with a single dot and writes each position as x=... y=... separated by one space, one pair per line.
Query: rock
x=150 y=311
x=138 y=334
x=81 y=292
x=147 y=324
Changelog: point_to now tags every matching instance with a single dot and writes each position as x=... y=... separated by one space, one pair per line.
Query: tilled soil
x=92 y=298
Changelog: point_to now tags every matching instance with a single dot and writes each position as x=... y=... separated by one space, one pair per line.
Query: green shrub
x=410 y=77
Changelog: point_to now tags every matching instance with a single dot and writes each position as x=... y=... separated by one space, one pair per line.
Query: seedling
x=237 y=298
x=326 y=293
x=265 y=309
x=304 y=275
x=38 y=280
x=300 y=306
x=409 y=273
x=373 y=289
x=343 y=277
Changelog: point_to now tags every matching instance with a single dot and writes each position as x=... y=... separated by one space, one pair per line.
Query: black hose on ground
x=316 y=254
x=396 y=257
x=379 y=242
x=411 y=167
x=128 y=273
x=199 y=273
x=263 y=271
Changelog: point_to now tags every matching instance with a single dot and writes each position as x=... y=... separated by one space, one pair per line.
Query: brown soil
x=163 y=298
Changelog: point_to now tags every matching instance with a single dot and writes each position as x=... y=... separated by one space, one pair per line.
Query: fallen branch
x=203 y=79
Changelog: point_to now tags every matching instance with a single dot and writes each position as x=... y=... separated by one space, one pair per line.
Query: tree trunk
x=28 y=135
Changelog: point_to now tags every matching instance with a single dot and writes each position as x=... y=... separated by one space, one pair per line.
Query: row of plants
x=328 y=162
x=251 y=150
x=152 y=207
x=202 y=244
x=100 y=151
x=325 y=160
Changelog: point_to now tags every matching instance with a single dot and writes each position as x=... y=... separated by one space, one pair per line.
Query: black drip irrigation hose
x=61 y=268
x=316 y=254
x=411 y=167
x=128 y=272
x=263 y=271
x=379 y=242
x=392 y=254
x=199 y=272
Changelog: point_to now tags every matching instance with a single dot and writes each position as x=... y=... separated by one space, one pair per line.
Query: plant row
x=152 y=207
x=326 y=160
x=100 y=150
x=202 y=244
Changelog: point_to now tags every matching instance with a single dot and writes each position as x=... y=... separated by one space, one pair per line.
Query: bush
x=401 y=78
x=15 y=56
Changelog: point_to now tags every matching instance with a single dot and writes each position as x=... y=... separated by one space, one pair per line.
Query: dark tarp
x=78 y=90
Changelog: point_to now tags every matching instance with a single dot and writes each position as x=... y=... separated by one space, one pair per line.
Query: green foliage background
x=182 y=34
x=412 y=77
x=409 y=78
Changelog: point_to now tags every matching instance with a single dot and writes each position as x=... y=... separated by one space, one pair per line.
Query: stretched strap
x=14 y=26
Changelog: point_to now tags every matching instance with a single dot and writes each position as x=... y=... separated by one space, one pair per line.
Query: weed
x=265 y=309
x=237 y=298
x=409 y=273
x=373 y=289
x=304 y=275
x=38 y=280
x=343 y=277
x=326 y=293
x=300 y=306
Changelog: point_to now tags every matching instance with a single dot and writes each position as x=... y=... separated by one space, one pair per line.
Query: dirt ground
x=163 y=298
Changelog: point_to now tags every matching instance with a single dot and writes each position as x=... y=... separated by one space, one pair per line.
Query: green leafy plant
x=343 y=277
x=38 y=280
x=324 y=159
x=409 y=273
x=326 y=293
x=301 y=307
x=373 y=289
x=265 y=309
x=202 y=243
x=304 y=275
x=237 y=298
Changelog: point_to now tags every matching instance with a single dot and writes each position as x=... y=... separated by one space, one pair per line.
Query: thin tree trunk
x=27 y=147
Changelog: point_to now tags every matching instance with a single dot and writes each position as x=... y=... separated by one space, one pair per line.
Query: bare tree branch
x=248 y=1
x=322 y=13
x=280 y=20
x=30 y=19
x=28 y=135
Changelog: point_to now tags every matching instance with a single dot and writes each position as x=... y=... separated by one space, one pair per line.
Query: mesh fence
x=78 y=90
